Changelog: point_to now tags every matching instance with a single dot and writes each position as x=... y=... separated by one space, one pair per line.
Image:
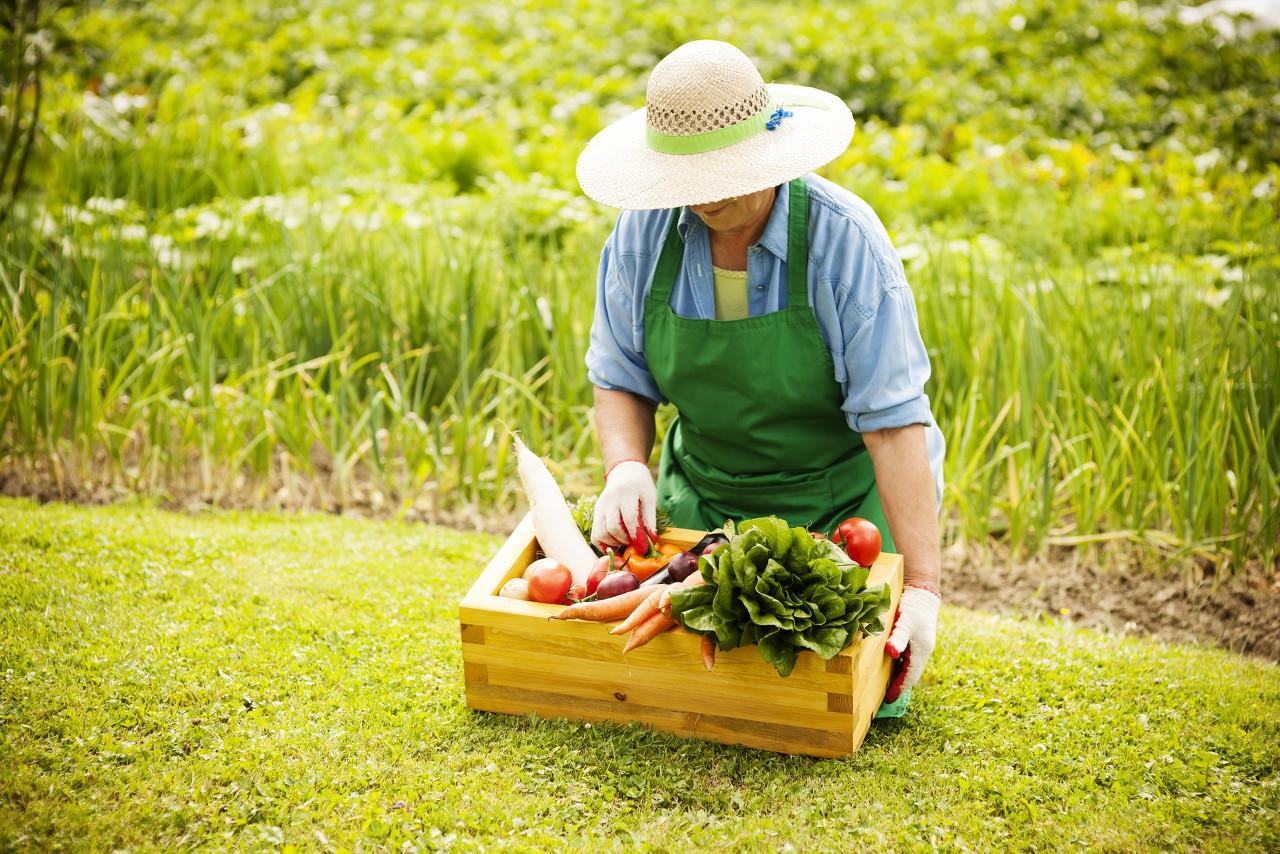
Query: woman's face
x=737 y=212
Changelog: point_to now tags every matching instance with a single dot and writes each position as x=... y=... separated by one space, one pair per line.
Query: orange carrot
x=708 y=651
x=648 y=630
x=643 y=611
x=604 y=610
x=664 y=604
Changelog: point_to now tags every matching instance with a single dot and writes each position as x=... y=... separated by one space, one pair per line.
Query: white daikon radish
x=553 y=524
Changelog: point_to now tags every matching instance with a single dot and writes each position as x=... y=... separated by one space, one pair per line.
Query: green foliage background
x=323 y=252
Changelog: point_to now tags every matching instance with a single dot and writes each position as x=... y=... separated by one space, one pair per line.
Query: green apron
x=760 y=430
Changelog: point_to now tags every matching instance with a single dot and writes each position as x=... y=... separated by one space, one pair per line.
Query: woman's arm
x=629 y=502
x=624 y=426
x=908 y=495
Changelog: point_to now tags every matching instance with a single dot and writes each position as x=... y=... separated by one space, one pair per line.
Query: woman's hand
x=625 y=511
x=911 y=641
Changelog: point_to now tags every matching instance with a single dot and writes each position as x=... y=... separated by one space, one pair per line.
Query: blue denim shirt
x=864 y=307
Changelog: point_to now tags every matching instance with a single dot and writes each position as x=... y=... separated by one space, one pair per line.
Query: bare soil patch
x=1240 y=613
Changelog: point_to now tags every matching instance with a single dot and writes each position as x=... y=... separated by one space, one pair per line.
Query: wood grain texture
x=780 y=738
x=517 y=661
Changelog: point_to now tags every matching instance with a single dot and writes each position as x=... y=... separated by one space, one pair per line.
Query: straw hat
x=711 y=129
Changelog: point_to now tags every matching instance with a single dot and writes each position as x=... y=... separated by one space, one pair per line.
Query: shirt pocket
x=633 y=270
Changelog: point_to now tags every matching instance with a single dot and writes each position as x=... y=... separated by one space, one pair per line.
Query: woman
x=769 y=307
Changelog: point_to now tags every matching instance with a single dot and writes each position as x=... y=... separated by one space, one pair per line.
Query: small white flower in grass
x=1214 y=297
x=210 y=224
x=133 y=233
x=243 y=264
x=105 y=205
x=1206 y=161
x=1017 y=23
x=544 y=310
x=170 y=259
x=1122 y=154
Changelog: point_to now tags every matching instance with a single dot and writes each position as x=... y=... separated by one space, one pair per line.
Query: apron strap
x=669 y=260
x=798 y=245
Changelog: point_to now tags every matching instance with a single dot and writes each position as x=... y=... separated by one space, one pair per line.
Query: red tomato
x=860 y=538
x=549 y=580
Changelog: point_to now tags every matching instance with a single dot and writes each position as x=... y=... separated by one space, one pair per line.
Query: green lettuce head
x=782 y=590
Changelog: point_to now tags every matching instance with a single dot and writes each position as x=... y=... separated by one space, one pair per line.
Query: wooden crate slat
x=513 y=556
x=625 y=696
x=744 y=665
x=628 y=689
x=748 y=733
x=515 y=616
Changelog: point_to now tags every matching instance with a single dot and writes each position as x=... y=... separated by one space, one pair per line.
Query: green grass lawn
x=245 y=680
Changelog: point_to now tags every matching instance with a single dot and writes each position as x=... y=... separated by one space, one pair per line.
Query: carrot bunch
x=645 y=612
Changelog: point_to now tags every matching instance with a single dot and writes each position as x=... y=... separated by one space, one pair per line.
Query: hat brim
x=619 y=169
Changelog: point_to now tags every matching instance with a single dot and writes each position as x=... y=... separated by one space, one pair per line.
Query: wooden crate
x=516 y=661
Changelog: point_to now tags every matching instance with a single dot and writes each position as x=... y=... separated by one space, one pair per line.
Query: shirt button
x=755 y=250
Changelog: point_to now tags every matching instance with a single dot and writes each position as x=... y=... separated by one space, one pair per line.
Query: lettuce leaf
x=778 y=588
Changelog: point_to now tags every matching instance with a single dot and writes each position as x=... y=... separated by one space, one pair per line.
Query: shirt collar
x=774 y=236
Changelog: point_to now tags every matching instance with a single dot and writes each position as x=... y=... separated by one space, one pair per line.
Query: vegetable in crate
x=782 y=590
x=553 y=522
x=860 y=539
x=583 y=511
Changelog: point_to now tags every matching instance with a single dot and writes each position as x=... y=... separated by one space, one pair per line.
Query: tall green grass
x=298 y=353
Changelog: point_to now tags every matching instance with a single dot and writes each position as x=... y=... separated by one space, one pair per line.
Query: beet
x=616 y=583
x=682 y=566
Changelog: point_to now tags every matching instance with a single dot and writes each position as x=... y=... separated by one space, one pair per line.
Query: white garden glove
x=911 y=641
x=625 y=510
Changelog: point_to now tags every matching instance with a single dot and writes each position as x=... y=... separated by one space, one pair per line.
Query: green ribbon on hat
x=697 y=143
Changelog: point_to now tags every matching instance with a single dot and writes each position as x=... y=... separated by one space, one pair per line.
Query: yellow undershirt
x=731 y=293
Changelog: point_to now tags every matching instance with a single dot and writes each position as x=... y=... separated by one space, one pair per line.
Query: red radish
x=602 y=568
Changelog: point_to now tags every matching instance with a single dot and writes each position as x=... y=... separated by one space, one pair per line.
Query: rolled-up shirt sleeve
x=887 y=366
x=615 y=358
